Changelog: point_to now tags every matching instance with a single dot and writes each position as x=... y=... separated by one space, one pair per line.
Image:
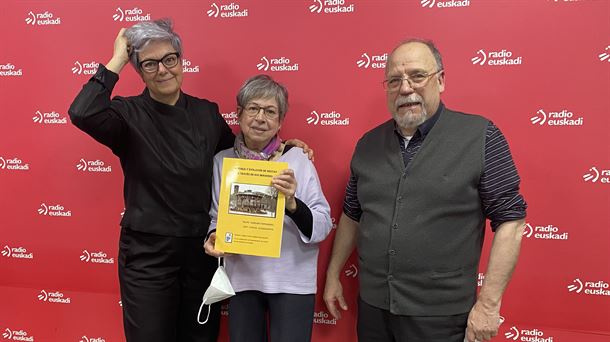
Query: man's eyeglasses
x=416 y=81
x=152 y=65
x=253 y=109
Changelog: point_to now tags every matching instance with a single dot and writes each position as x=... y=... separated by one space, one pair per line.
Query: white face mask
x=220 y=288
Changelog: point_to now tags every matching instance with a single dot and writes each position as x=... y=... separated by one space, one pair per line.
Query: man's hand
x=299 y=143
x=483 y=323
x=209 y=247
x=333 y=293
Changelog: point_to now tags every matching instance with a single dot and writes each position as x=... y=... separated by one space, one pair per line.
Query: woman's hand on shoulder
x=303 y=145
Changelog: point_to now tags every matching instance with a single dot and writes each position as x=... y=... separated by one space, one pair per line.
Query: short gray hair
x=429 y=44
x=263 y=87
x=140 y=34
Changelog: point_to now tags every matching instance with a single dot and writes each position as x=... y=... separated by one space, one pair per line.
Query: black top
x=166 y=153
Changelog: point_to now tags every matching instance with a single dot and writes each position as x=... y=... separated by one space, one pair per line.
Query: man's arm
x=484 y=318
x=345 y=241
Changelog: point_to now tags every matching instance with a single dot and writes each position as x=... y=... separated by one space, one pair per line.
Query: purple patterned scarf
x=267 y=153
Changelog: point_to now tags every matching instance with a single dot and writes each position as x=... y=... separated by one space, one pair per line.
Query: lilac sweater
x=295 y=271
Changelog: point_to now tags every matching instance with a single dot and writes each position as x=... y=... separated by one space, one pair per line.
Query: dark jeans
x=162 y=281
x=290 y=317
x=378 y=325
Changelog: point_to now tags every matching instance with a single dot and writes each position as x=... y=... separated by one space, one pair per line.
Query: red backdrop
x=540 y=69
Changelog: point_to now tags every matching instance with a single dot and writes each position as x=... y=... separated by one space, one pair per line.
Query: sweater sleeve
x=309 y=192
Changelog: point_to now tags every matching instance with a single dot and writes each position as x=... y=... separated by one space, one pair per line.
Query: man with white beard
x=421 y=188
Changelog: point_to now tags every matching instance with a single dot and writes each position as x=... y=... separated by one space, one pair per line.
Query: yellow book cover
x=250 y=211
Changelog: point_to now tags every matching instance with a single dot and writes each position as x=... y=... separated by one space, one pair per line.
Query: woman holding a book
x=282 y=289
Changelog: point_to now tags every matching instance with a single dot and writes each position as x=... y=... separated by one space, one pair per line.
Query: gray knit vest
x=422 y=228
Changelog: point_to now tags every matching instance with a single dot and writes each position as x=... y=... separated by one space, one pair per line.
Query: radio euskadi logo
x=99 y=257
x=232 y=10
x=189 y=67
x=17 y=335
x=16 y=252
x=351 y=271
x=13 y=164
x=53 y=297
x=605 y=56
x=93 y=166
x=534 y=335
x=372 y=61
x=132 y=14
x=9 y=69
x=595 y=175
x=331 y=7
x=42 y=19
x=556 y=118
x=89 y=68
x=231 y=118
x=332 y=118
x=548 y=232
x=444 y=4
x=322 y=317
x=496 y=58
x=56 y=210
x=49 y=118
x=592 y=288
x=91 y=339
x=277 y=64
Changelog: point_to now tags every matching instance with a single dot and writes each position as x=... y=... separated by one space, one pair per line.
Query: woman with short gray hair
x=165 y=140
x=274 y=292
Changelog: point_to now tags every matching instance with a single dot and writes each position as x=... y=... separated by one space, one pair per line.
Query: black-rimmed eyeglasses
x=169 y=61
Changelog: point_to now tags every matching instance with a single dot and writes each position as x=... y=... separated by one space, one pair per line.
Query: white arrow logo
x=119 y=15
x=429 y=3
x=352 y=271
x=577 y=286
x=264 y=65
x=513 y=333
x=539 y=118
x=592 y=176
x=7 y=334
x=82 y=165
x=31 y=19
x=213 y=12
x=43 y=296
x=316 y=7
x=77 y=68
x=43 y=210
x=37 y=117
x=314 y=118
x=364 y=61
x=85 y=256
x=6 y=251
x=480 y=58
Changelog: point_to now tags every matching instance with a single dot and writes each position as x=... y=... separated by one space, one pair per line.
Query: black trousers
x=162 y=280
x=290 y=317
x=378 y=325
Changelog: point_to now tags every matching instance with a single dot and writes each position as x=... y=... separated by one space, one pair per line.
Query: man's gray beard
x=407 y=121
